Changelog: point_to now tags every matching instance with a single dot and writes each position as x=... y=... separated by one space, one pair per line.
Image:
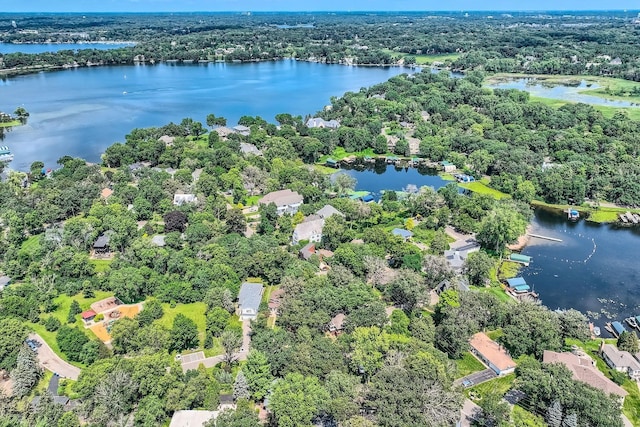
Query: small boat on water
x=596 y=331
x=631 y=321
x=5 y=154
x=572 y=214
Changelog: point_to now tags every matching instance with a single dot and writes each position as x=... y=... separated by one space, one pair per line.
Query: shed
x=332 y=163
x=405 y=234
x=249 y=300
x=447 y=166
x=522 y=288
x=88 y=315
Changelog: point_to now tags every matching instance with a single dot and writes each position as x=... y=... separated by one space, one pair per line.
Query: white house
x=286 y=201
x=249 y=300
x=320 y=123
x=181 y=199
x=621 y=361
x=310 y=230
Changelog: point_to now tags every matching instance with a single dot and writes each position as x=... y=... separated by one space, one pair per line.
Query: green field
x=608 y=112
x=101 y=265
x=481 y=188
x=499 y=385
x=195 y=311
x=10 y=124
x=468 y=365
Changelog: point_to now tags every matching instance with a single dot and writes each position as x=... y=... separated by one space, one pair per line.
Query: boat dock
x=538 y=236
x=615 y=328
x=629 y=218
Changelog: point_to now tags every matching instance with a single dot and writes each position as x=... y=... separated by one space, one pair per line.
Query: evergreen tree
x=241 y=387
x=27 y=372
x=628 y=341
x=257 y=372
x=73 y=310
x=554 y=414
x=570 y=420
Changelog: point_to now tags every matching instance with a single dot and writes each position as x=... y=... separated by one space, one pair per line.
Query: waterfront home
x=405 y=234
x=621 y=361
x=224 y=131
x=181 y=199
x=492 y=354
x=286 y=201
x=309 y=230
x=328 y=211
x=584 y=369
x=457 y=255
x=249 y=300
x=319 y=123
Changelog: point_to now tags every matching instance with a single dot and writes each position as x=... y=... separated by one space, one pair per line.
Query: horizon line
x=340 y=11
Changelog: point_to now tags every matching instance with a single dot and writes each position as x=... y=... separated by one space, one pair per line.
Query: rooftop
x=516 y=281
x=106 y=193
x=191 y=418
x=247 y=148
x=492 y=351
x=405 y=234
x=281 y=198
x=308 y=250
x=327 y=211
x=250 y=295
x=88 y=314
x=621 y=359
x=305 y=230
x=583 y=370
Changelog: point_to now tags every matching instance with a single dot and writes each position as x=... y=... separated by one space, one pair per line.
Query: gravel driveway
x=52 y=362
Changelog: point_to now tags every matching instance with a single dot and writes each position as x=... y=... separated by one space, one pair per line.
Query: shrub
x=52 y=324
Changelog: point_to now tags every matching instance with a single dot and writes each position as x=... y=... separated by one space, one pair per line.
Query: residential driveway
x=467 y=413
x=476 y=378
x=52 y=362
x=192 y=361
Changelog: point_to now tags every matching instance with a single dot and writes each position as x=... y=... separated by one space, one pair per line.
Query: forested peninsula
x=580 y=43
x=131 y=271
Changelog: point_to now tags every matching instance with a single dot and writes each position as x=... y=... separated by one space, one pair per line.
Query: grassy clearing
x=195 y=311
x=430 y=59
x=481 y=188
x=30 y=246
x=500 y=385
x=495 y=335
x=468 y=365
x=600 y=214
x=447 y=176
x=498 y=292
x=508 y=270
x=608 y=112
x=521 y=417
x=603 y=216
x=10 y=124
x=101 y=265
x=325 y=170
x=631 y=406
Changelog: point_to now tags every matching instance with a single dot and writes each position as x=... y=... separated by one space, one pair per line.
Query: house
x=309 y=230
x=192 y=418
x=286 y=201
x=583 y=369
x=168 y=140
x=246 y=148
x=242 y=130
x=457 y=256
x=492 y=354
x=621 y=361
x=158 y=240
x=405 y=234
x=336 y=325
x=224 y=131
x=319 y=123
x=249 y=300
x=447 y=166
x=88 y=315
x=181 y=199
x=101 y=246
x=4 y=282
x=308 y=250
x=136 y=166
x=106 y=193
x=328 y=211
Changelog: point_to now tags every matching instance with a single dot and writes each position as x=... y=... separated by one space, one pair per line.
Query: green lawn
x=521 y=417
x=608 y=112
x=508 y=270
x=101 y=265
x=10 y=124
x=430 y=59
x=498 y=292
x=447 y=176
x=325 y=170
x=500 y=385
x=631 y=406
x=495 y=335
x=468 y=365
x=481 y=188
x=31 y=245
x=195 y=311
x=62 y=304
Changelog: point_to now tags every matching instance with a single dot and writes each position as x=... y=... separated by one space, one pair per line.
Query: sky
x=301 y=5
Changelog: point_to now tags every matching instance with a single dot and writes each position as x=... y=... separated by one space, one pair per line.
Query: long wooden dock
x=538 y=236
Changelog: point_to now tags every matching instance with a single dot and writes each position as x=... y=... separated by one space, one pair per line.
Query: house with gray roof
x=621 y=361
x=405 y=234
x=457 y=256
x=328 y=211
x=286 y=201
x=242 y=130
x=320 y=123
x=309 y=230
x=249 y=300
x=246 y=148
x=181 y=199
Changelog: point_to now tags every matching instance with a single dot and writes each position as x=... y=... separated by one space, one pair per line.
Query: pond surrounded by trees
x=81 y=112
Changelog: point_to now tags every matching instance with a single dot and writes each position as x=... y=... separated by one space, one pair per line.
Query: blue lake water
x=376 y=179
x=80 y=112
x=565 y=93
x=55 y=47
x=594 y=269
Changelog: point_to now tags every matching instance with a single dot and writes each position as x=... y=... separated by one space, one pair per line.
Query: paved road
x=476 y=378
x=212 y=361
x=467 y=413
x=52 y=362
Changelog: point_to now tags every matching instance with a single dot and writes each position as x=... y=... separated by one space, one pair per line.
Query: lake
x=565 y=93
x=593 y=269
x=80 y=112
x=55 y=47
x=369 y=178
